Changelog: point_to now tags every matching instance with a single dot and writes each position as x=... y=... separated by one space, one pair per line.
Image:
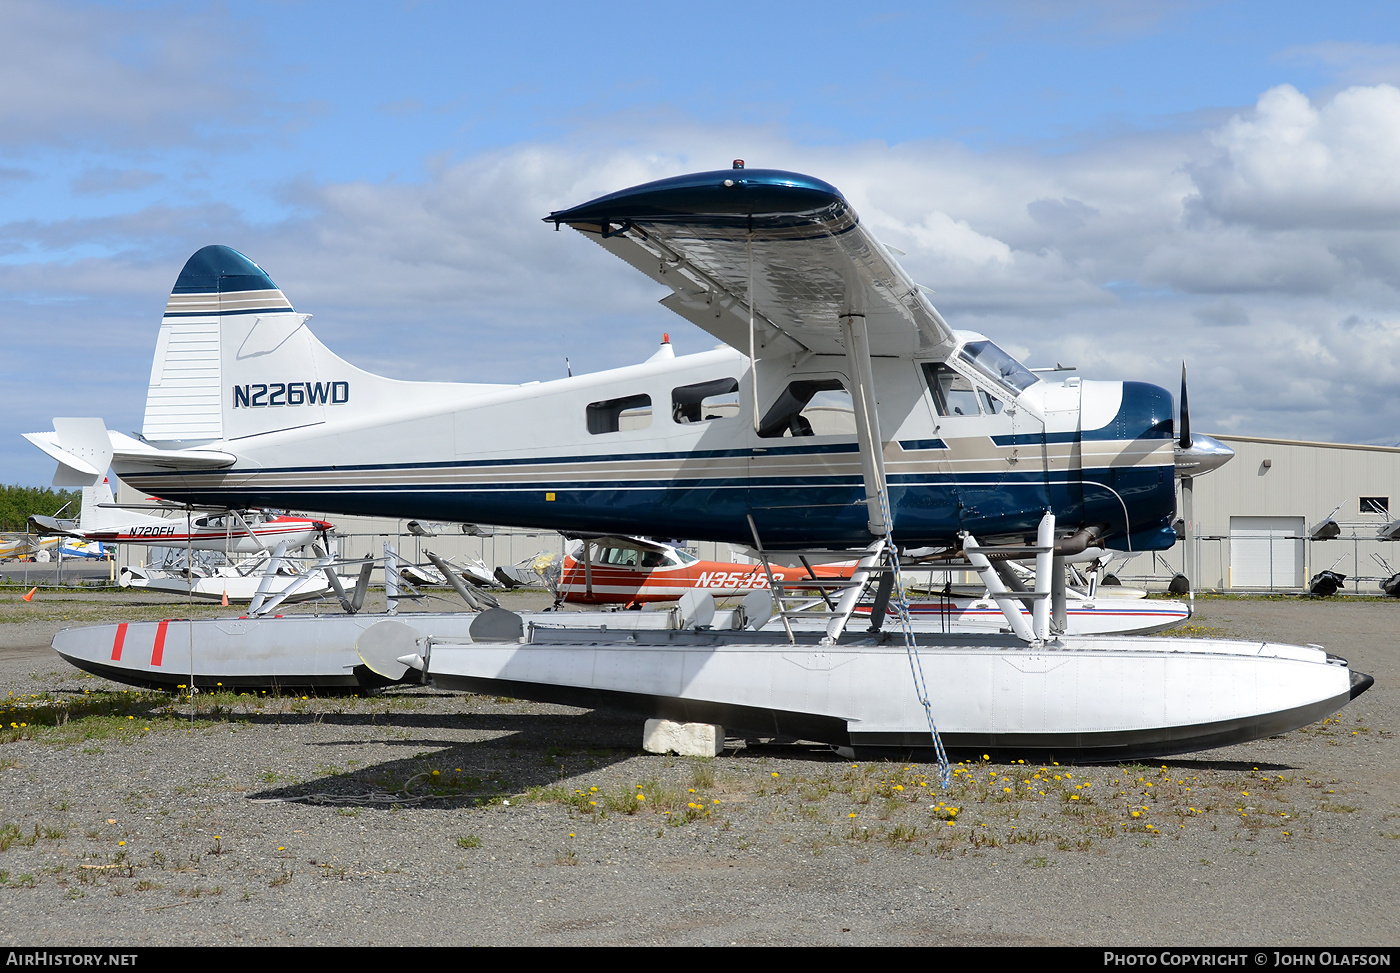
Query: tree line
x=18 y=502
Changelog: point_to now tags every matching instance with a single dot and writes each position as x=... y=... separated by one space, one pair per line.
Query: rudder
x=184 y=403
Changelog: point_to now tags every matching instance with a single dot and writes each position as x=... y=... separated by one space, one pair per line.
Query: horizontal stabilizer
x=52 y=526
x=81 y=447
x=84 y=448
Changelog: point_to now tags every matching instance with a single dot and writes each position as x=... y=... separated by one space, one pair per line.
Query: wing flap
x=791 y=240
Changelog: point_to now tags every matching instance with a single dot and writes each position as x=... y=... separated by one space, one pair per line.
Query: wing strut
x=872 y=462
x=753 y=361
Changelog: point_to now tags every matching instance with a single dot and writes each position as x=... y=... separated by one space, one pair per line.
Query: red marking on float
x=117 y=642
x=158 y=650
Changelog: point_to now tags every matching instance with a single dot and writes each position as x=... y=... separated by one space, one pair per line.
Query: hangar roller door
x=1266 y=552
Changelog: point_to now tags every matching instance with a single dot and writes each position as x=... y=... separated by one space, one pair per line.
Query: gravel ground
x=425 y=817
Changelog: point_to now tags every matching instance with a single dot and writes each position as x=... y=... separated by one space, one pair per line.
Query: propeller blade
x=1185 y=440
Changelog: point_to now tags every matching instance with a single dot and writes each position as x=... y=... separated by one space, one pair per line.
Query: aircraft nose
x=1205 y=453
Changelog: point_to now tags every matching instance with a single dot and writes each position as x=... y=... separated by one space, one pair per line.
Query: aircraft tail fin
x=235 y=359
x=93 y=515
x=185 y=400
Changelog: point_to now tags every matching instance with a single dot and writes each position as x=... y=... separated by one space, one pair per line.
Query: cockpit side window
x=996 y=364
x=705 y=401
x=953 y=394
x=813 y=407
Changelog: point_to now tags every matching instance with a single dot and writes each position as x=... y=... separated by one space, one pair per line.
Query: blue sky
x=1114 y=185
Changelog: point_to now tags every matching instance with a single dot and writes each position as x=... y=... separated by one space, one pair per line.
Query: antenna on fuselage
x=568 y=367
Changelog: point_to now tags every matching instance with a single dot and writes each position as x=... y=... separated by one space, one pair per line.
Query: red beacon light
x=738 y=163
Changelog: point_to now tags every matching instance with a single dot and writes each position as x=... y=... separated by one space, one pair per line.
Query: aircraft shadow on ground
x=526 y=751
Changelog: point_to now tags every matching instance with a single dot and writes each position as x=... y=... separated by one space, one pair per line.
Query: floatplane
x=267 y=536
x=841 y=417
x=101 y=520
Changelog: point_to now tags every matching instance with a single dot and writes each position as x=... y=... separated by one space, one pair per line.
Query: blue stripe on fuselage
x=790 y=511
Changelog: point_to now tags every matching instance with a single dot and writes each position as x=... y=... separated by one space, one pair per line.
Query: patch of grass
x=469 y=841
x=196 y=892
x=984 y=838
x=702 y=773
x=902 y=834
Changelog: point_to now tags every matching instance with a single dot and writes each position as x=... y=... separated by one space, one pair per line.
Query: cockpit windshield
x=991 y=361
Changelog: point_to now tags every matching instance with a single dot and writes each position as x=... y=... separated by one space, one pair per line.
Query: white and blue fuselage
x=668 y=447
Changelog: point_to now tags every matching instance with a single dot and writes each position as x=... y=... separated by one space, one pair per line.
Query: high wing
x=621 y=540
x=794 y=239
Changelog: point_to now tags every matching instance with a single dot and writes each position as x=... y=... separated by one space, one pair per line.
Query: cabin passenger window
x=819 y=407
x=622 y=556
x=707 y=400
x=619 y=415
x=952 y=393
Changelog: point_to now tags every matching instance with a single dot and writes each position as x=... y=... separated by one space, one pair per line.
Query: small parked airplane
x=100 y=519
x=633 y=571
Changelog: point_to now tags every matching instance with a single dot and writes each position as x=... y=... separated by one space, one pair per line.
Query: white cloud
x=1350 y=61
x=105 y=180
x=1290 y=163
x=93 y=75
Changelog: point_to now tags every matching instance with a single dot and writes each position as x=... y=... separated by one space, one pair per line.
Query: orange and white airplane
x=613 y=569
